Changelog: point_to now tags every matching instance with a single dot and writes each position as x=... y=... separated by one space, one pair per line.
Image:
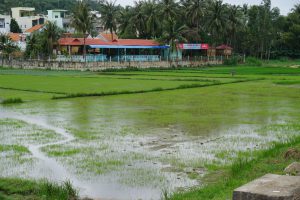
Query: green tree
x=216 y=20
x=109 y=15
x=33 y=46
x=153 y=22
x=14 y=26
x=7 y=46
x=51 y=33
x=173 y=36
x=82 y=21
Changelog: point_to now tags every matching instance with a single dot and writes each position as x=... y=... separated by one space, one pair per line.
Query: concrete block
x=270 y=187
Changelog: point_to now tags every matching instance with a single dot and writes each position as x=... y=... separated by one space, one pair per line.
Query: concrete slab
x=270 y=187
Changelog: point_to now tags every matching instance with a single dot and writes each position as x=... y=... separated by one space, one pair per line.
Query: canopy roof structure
x=96 y=43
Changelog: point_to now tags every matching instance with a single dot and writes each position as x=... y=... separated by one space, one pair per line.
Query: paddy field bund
x=146 y=133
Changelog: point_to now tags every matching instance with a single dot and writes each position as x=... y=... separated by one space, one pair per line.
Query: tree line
x=259 y=30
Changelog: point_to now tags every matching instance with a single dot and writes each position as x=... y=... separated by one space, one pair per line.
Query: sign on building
x=193 y=46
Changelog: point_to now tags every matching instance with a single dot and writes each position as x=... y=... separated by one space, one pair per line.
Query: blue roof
x=127 y=47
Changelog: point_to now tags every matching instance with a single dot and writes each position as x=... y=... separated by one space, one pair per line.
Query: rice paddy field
x=143 y=134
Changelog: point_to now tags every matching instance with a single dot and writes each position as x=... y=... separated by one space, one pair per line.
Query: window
x=2 y=23
x=56 y=16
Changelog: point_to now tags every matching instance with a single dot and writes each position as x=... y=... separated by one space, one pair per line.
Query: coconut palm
x=174 y=35
x=6 y=45
x=126 y=27
x=194 y=12
x=139 y=19
x=109 y=15
x=235 y=18
x=169 y=10
x=216 y=20
x=153 y=22
x=82 y=21
x=51 y=32
x=33 y=46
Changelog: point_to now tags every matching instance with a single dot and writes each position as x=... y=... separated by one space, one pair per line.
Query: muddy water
x=136 y=148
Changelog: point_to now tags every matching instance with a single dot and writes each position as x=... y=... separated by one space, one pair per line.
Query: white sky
x=284 y=5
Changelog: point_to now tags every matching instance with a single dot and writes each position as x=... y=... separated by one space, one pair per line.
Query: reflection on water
x=138 y=146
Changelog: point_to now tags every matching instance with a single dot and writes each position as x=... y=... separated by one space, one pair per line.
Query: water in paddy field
x=131 y=148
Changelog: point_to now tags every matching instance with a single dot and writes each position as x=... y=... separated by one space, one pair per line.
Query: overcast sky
x=284 y=5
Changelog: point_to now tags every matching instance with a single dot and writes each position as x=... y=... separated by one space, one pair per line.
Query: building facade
x=59 y=17
x=5 y=23
x=26 y=17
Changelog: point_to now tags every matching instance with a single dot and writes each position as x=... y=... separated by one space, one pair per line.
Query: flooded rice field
x=143 y=145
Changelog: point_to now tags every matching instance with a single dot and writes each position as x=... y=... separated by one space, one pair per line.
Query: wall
x=98 y=66
x=6 y=20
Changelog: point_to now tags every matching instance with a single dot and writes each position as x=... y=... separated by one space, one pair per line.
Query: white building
x=59 y=17
x=5 y=23
x=26 y=17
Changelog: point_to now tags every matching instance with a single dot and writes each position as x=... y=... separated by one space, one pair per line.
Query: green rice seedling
x=12 y=101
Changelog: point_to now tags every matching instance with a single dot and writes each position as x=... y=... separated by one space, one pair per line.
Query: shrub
x=253 y=61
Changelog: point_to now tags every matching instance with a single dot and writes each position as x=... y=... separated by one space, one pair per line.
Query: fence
x=104 y=64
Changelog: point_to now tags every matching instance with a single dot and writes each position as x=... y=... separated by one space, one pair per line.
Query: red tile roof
x=223 y=46
x=15 y=36
x=97 y=41
x=80 y=41
x=108 y=37
x=34 y=28
x=135 y=42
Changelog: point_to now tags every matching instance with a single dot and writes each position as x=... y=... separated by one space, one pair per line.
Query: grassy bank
x=221 y=182
x=18 y=189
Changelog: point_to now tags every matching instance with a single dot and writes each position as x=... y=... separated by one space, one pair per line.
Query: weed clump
x=12 y=101
x=64 y=191
x=292 y=153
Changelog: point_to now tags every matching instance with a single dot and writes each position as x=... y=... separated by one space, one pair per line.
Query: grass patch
x=288 y=82
x=12 y=101
x=158 y=89
x=221 y=182
x=19 y=189
x=15 y=148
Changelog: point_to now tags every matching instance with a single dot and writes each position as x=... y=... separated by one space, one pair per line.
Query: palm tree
x=173 y=36
x=195 y=12
x=51 y=33
x=33 y=46
x=234 y=23
x=153 y=23
x=139 y=19
x=169 y=10
x=109 y=16
x=6 y=46
x=82 y=21
x=126 y=27
x=216 y=22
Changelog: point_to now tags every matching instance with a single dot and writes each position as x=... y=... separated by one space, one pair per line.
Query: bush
x=253 y=61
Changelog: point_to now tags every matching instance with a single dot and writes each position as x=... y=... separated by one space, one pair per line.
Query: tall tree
x=195 y=12
x=153 y=23
x=14 y=26
x=82 y=21
x=51 y=33
x=7 y=46
x=216 y=20
x=109 y=15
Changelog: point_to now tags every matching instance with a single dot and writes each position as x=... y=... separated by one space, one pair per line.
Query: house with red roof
x=224 y=50
x=103 y=49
